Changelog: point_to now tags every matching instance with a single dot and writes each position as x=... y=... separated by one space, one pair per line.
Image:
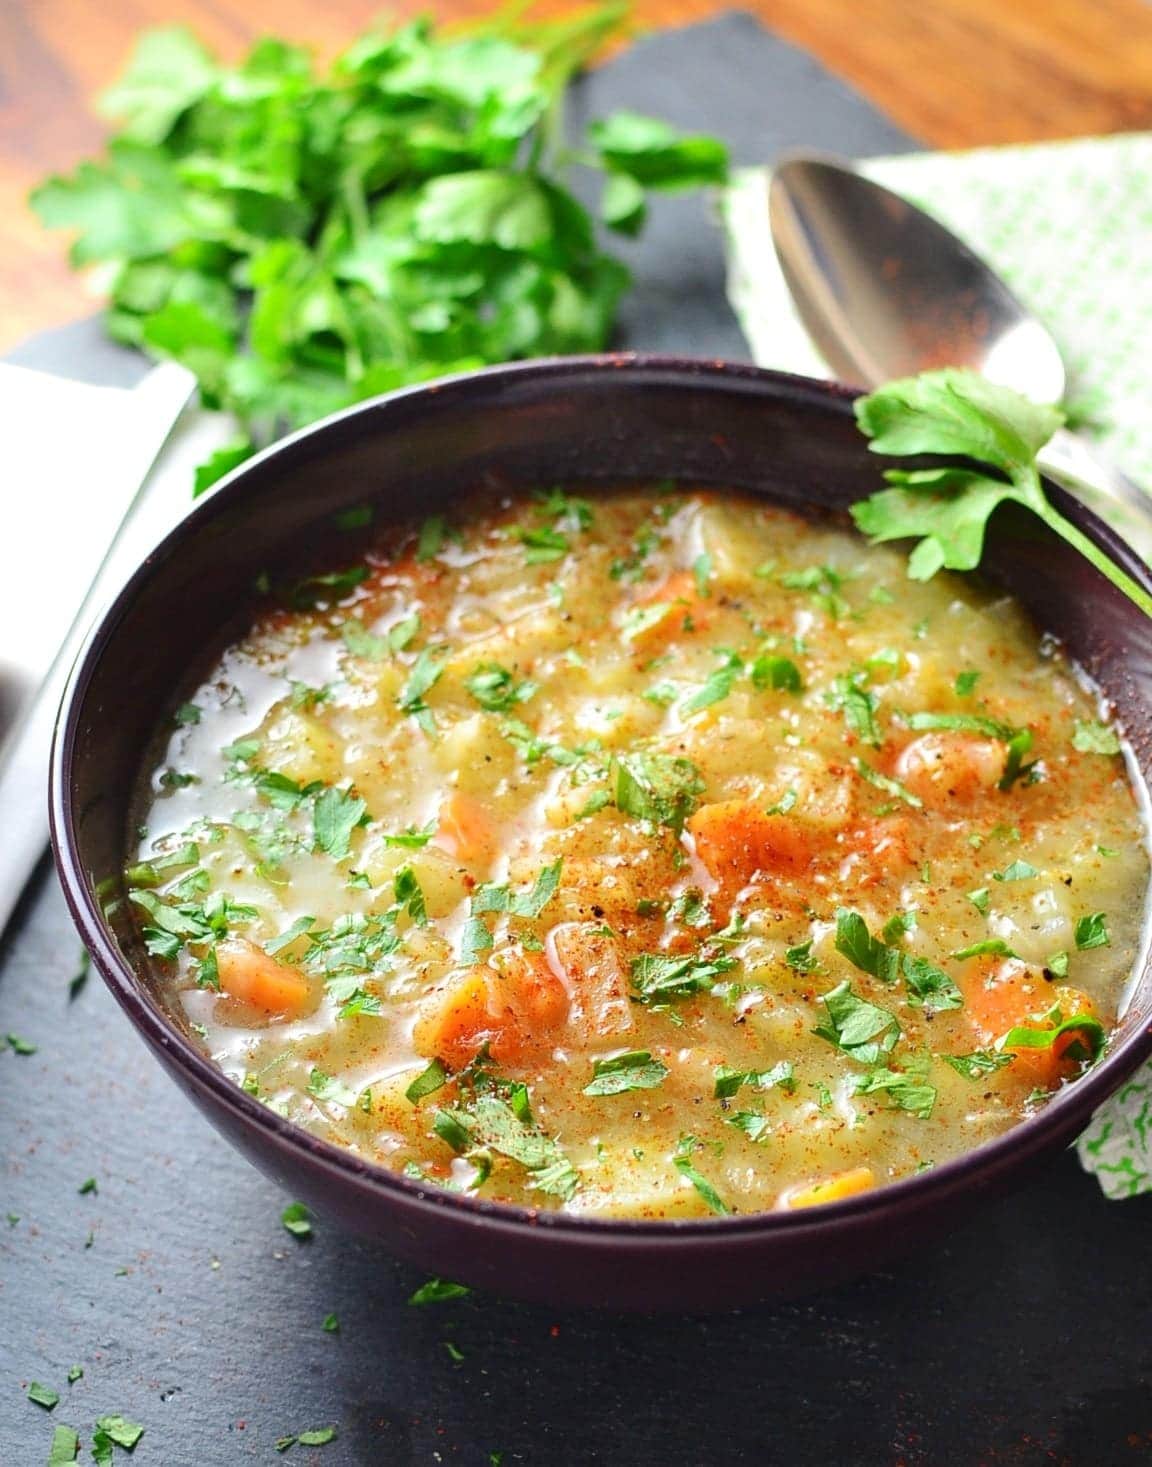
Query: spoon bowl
x=886 y=291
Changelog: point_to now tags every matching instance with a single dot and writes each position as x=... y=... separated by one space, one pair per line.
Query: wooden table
x=957 y=73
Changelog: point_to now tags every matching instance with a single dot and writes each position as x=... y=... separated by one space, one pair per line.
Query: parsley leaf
x=977 y=1064
x=439 y=1291
x=496 y=689
x=957 y=413
x=682 y=1160
x=664 y=978
x=727 y=1082
x=636 y=1070
x=860 y=1029
x=297 y=1219
x=335 y=815
x=659 y=788
x=1095 y=738
x=1092 y=931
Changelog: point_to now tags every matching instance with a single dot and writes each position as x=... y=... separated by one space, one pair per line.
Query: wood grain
x=957 y=73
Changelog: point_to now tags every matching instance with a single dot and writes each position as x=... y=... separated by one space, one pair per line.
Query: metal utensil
x=161 y=398
x=885 y=291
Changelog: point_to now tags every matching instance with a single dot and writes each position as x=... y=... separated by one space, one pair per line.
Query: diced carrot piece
x=831 y=1189
x=251 y=976
x=942 y=767
x=464 y=828
x=515 y=1012
x=594 y=977
x=677 y=597
x=736 y=839
x=1002 y=997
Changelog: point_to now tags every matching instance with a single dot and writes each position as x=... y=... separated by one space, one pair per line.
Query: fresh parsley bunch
x=956 y=413
x=302 y=240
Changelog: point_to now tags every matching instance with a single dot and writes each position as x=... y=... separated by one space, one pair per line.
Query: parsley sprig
x=957 y=413
x=302 y=239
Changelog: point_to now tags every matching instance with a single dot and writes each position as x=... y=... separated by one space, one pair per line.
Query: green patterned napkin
x=1069 y=226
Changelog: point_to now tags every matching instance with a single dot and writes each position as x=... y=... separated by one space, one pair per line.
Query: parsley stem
x=1103 y=562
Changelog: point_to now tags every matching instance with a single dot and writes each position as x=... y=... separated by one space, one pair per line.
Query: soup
x=654 y=853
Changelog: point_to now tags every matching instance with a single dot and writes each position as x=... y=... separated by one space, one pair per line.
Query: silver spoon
x=886 y=291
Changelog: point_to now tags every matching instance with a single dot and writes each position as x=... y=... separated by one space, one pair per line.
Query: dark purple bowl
x=580 y=420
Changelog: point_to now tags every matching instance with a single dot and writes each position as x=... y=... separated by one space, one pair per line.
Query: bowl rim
x=1067 y=1112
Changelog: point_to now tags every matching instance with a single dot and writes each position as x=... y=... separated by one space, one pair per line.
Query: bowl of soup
x=540 y=831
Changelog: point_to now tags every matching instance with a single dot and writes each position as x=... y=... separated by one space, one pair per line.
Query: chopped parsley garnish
x=318 y=1438
x=543 y=545
x=423 y=676
x=659 y=788
x=335 y=815
x=682 y=1160
x=776 y=673
x=427 y=1082
x=1095 y=738
x=994 y=947
x=889 y=786
x=430 y=541
x=439 y=1291
x=800 y=958
x=858 y=706
x=858 y=1028
x=410 y=839
x=906 y=1091
x=1088 y=1039
x=113 y=1431
x=979 y=899
x=65 y=1447
x=965 y=684
x=326 y=590
x=489 y=898
x=663 y=978
x=187 y=714
x=495 y=688
x=409 y=895
x=702 y=573
x=1057 y=965
x=42 y=1395
x=79 y=979
x=727 y=1082
x=977 y=1064
x=490 y=1123
x=636 y=1070
x=297 y=1219
x=322 y=1086
x=87 y=1186
x=1092 y=931
x=717 y=686
x=331 y=1324
x=19 y=1045
x=1016 y=871
x=475 y=941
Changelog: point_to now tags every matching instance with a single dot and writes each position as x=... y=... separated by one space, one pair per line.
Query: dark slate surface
x=1022 y=1339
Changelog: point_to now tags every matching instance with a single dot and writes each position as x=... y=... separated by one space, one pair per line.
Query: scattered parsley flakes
x=1057 y=965
x=682 y=1160
x=994 y=947
x=977 y=1064
x=727 y=1081
x=1016 y=871
x=800 y=958
x=979 y=899
x=716 y=687
x=42 y=1395
x=772 y=673
x=65 y=1448
x=663 y=978
x=495 y=688
x=75 y=1373
x=20 y=1046
x=1091 y=931
x=79 y=979
x=423 y=676
x=889 y=786
x=659 y=788
x=636 y=1070
x=438 y=1291
x=427 y=1082
x=88 y=1185
x=861 y=1030
x=1095 y=738
x=965 y=684
x=335 y=815
x=331 y=1325
x=297 y=1219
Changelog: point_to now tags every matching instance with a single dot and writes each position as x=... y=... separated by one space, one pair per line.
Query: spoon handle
x=1075 y=466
